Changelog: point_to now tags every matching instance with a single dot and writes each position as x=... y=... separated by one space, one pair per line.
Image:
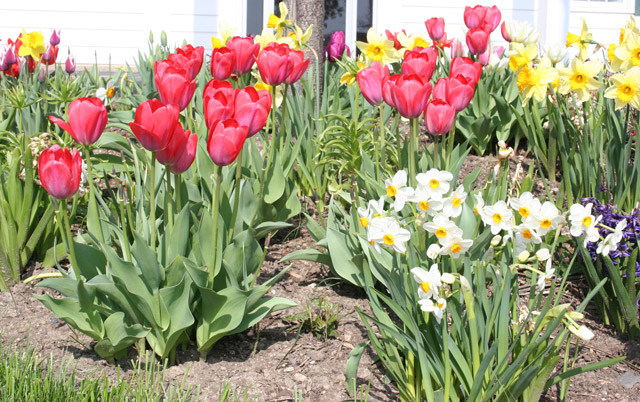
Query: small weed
x=320 y=317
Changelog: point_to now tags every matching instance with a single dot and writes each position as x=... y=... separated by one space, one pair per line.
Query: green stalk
x=69 y=238
x=215 y=205
x=272 y=146
x=168 y=202
x=447 y=359
x=178 y=184
x=92 y=199
x=383 y=148
x=376 y=136
x=236 y=194
x=152 y=200
x=283 y=126
x=127 y=248
x=450 y=139
x=467 y=293
x=412 y=151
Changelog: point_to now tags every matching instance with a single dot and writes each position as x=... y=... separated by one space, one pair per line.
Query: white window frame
x=623 y=7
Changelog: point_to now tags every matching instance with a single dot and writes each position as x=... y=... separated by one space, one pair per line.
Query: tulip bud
x=163 y=39
x=70 y=65
x=55 y=38
x=46 y=56
x=435 y=28
x=504 y=30
x=42 y=74
x=457 y=49
x=543 y=254
x=9 y=56
x=523 y=256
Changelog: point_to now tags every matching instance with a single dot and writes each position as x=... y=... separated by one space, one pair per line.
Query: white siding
x=111 y=30
x=603 y=20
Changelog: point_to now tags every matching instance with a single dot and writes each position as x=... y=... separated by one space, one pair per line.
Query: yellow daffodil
x=32 y=45
x=522 y=56
x=268 y=36
x=349 y=77
x=625 y=88
x=226 y=32
x=580 y=78
x=533 y=82
x=627 y=55
x=299 y=37
x=629 y=28
x=262 y=85
x=580 y=42
x=376 y=48
x=279 y=23
x=611 y=52
x=411 y=41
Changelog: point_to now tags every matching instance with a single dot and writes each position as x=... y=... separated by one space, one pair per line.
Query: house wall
x=111 y=31
x=603 y=20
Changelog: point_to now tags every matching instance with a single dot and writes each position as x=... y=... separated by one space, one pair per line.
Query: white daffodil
x=388 y=231
x=377 y=207
x=543 y=254
x=429 y=281
x=582 y=221
x=433 y=251
x=452 y=205
x=607 y=245
x=522 y=32
x=435 y=182
x=425 y=203
x=617 y=233
x=548 y=275
x=436 y=308
x=478 y=207
x=528 y=234
x=555 y=52
x=546 y=219
x=498 y=216
x=365 y=216
x=525 y=205
x=581 y=332
x=455 y=246
x=398 y=190
x=443 y=228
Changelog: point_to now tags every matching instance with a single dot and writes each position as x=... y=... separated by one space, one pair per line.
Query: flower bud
x=496 y=240
x=543 y=254
x=163 y=39
x=70 y=65
x=575 y=315
x=54 y=40
x=447 y=278
x=433 y=251
x=581 y=332
x=523 y=256
x=150 y=36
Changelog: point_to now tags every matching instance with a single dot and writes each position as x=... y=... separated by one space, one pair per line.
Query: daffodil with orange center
x=625 y=88
x=377 y=48
x=580 y=78
x=582 y=41
x=627 y=55
x=521 y=56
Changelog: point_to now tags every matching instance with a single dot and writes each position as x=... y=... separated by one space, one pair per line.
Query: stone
x=628 y=379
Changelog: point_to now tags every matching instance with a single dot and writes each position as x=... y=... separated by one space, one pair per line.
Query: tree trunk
x=305 y=13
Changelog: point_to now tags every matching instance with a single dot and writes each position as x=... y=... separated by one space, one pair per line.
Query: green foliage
x=320 y=317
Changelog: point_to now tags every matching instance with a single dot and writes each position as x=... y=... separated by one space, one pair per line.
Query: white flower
x=546 y=219
x=429 y=281
x=447 y=278
x=436 y=308
x=581 y=332
x=522 y=32
x=581 y=219
x=543 y=254
x=365 y=216
x=525 y=205
x=478 y=208
x=425 y=203
x=556 y=52
x=617 y=233
x=607 y=245
x=435 y=182
x=398 y=190
x=387 y=231
x=528 y=234
x=548 y=275
x=455 y=246
x=523 y=256
x=452 y=205
x=433 y=251
x=498 y=216
x=442 y=227
x=495 y=240
x=377 y=207
x=102 y=94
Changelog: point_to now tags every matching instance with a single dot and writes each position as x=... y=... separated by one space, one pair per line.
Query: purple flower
x=336 y=47
x=55 y=38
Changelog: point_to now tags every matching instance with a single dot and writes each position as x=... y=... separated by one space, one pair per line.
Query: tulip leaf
x=68 y=309
x=291 y=207
x=179 y=237
x=222 y=312
x=275 y=181
x=242 y=257
x=260 y=309
x=119 y=336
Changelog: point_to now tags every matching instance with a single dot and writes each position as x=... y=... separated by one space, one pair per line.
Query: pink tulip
x=300 y=65
x=218 y=101
x=370 y=82
x=222 y=63
x=410 y=94
x=60 y=171
x=474 y=17
x=467 y=68
x=174 y=84
x=493 y=17
x=174 y=149
x=504 y=31
x=439 y=117
x=187 y=156
x=154 y=124
x=435 y=28
x=252 y=109
x=226 y=139
x=87 y=120
x=244 y=52
x=477 y=40
x=457 y=49
x=190 y=58
x=420 y=61
x=459 y=92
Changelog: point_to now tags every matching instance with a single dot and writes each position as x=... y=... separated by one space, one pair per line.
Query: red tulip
x=459 y=92
x=190 y=58
x=244 y=52
x=174 y=149
x=87 y=120
x=252 y=109
x=49 y=57
x=467 y=68
x=60 y=171
x=477 y=40
x=493 y=17
x=296 y=57
x=187 y=156
x=174 y=84
x=410 y=94
x=226 y=139
x=222 y=63
x=435 y=28
x=443 y=42
x=274 y=63
x=394 y=37
x=420 y=61
x=218 y=101
x=474 y=17
x=154 y=124
x=439 y=117
x=387 y=81
x=440 y=89
x=370 y=82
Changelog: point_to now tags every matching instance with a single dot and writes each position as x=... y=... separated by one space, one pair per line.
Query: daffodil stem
x=376 y=137
x=66 y=234
x=436 y=157
x=236 y=193
x=412 y=151
x=447 y=360
x=152 y=200
x=215 y=205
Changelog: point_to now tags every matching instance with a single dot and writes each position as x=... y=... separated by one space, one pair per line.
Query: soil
x=270 y=362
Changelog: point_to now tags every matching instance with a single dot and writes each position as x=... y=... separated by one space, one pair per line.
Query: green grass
x=26 y=377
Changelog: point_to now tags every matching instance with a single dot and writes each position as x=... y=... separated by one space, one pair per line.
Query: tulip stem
x=283 y=129
x=236 y=193
x=168 y=202
x=436 y=158
x=215 y=204
x=152 y=200
x=178 y=184
x=412 y=151
x=450 y=140
x=65 y=228
x=92 y=199
x=383 y=134
x=272 y=147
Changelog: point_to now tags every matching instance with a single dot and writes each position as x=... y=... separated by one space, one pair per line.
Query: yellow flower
x=349 y=77
x=535 y=81
x=611 y=52
x=625 y=88
x=279 y=24
x=267 y=36
x=580 y=78
x=521 y=56
x=580 y=42
x=411 y=41
x=299 y=37
x=376 y=48
x=627 y=54
x=32 y=45
x=226 y=34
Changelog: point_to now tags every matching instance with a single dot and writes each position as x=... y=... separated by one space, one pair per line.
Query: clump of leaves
x=320 y=317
